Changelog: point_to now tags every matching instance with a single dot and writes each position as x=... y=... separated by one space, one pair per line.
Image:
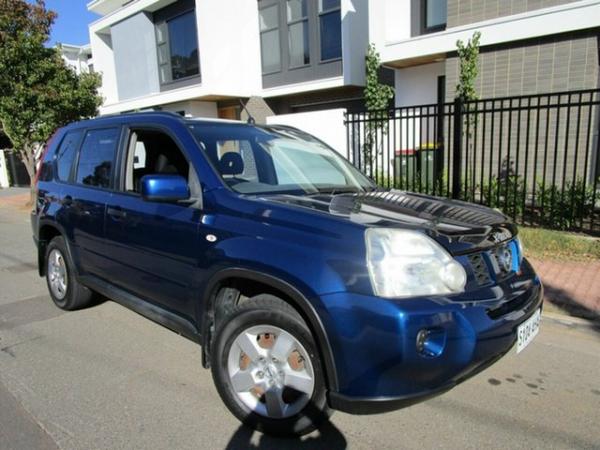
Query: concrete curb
x=570 y=321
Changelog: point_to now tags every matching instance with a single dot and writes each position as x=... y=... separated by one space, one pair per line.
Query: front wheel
x=267 y=370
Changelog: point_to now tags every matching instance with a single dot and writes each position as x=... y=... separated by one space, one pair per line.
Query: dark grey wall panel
x=316 y=69
x=462 y=12
x=134 y=45
x=550 y=64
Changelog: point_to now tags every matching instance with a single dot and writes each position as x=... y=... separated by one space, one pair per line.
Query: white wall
x=229 y=46
x=77 y=60
x=389 y=21
x=104 y=64
x=3 y=171
x=418 y=85
x=327 y=125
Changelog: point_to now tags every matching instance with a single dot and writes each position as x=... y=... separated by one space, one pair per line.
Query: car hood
x=461 y=227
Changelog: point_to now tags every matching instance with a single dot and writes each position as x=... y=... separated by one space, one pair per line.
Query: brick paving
x=571 y=286
x=15 y=198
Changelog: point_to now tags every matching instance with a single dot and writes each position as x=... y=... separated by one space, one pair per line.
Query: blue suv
x=308 y=288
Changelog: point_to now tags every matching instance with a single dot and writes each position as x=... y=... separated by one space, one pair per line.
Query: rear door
x=85 y=198
x=154 y=247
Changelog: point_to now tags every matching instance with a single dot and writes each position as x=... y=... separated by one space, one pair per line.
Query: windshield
x=276 y=159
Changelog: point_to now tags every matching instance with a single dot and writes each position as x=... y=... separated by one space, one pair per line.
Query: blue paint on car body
x=310 y=245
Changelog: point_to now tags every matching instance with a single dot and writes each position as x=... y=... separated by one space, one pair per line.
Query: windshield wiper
x=335 y=191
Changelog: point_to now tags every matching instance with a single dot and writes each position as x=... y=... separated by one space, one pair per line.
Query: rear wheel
x=66 y=292
x=266 y=368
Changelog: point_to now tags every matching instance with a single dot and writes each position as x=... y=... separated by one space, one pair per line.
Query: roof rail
x=135 y=113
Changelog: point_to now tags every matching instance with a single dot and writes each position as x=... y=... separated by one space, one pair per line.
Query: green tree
x=377 y=100
x=468 y=58
x=38 y=92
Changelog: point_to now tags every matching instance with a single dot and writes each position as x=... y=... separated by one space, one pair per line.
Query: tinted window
x=435 y=13
x=96 y=157
x=177 y=47
x=183 y=43
x=330 y=28
x=269 y=39
x=297 y=16
x=66 y=153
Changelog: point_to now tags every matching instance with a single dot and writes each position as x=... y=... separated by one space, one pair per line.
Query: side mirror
x=164 y=188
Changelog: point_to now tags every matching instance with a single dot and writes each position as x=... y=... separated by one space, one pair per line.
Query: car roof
x=146 y=115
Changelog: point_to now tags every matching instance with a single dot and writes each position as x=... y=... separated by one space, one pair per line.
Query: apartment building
x=79 y=57
x=200 y=57
x=527 y=46
x=288 y=57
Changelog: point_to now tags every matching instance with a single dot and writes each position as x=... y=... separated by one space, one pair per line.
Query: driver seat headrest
x=231 y=163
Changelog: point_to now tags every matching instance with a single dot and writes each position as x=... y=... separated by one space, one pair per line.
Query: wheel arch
x=48 y=230
x=276 y=286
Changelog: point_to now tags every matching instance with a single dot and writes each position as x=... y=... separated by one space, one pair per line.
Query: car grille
x=480 y=269
x=496 y=262
x=496 y=259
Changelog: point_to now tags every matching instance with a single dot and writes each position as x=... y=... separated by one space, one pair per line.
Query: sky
x=71 y=25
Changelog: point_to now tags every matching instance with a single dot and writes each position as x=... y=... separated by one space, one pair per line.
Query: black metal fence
x=535 y=157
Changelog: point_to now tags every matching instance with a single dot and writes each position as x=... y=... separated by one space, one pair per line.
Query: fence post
x=457 y=148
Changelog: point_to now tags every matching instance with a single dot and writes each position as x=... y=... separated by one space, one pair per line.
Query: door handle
x=116 y=212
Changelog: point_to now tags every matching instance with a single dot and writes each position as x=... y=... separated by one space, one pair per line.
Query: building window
x=297 y=21
x=269 y=39
x=434 y=15
x=177 y=44
x=330 y=28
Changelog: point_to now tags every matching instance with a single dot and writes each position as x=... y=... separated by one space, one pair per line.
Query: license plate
x=528 y=330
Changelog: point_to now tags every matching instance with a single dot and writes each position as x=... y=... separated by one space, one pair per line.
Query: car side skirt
x=137 y=304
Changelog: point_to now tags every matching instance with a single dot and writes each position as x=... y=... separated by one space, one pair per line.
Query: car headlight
x=405 y=263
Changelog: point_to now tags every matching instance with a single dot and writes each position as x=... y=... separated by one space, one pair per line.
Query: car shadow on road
x=566 y=303
x=329 y=437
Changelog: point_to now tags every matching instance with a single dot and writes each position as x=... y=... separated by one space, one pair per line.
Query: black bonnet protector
x=459 y=226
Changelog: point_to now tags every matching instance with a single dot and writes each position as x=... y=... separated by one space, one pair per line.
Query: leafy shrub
x=565 y=209
x=505 y=193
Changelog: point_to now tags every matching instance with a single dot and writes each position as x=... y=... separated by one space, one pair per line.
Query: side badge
x=211 y=238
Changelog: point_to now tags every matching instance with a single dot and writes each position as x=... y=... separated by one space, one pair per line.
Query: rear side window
x=96 y=157
x=66 y=154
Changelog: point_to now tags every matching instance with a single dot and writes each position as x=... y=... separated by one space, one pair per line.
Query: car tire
x=66 y=291
x=279 y=409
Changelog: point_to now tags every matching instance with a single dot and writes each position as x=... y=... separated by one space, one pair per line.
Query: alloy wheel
x=270 y=372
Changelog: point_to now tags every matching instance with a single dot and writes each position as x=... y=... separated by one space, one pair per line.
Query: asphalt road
x=108 y=378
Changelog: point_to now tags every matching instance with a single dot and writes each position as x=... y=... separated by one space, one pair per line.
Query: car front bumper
x=382 y=364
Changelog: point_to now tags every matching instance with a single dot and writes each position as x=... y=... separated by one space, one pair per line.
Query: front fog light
x=430 y=343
